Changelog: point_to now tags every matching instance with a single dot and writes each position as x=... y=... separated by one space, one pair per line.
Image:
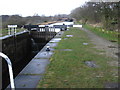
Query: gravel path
x=102 y=44
x=110 y=51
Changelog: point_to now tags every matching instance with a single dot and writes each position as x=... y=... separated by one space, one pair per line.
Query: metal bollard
x=48 y=48
x=10 y=70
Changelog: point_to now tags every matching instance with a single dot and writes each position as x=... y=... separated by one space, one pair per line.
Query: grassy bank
x=107 y=34
x=68 y=69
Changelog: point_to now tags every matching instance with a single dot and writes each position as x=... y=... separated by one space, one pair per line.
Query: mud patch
x=113 y=41
x=101 y=53
x=112 y=47
x=113 y=63
x=115 y=73
x=118 y=54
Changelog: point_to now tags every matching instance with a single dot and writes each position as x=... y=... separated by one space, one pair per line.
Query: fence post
x=46 y=32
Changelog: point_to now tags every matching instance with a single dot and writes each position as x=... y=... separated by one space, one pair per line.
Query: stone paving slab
x=91 y=64
x=51 y=49
x=36 y=66
x=44 y=54
x=52 y=44
x=54 y=40
x=66 y=50
x=27 y=81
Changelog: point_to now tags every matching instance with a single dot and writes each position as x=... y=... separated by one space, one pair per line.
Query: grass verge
x=109 y=35
x=68 y=70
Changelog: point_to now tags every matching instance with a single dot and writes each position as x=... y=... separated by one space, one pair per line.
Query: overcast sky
x=40 y=7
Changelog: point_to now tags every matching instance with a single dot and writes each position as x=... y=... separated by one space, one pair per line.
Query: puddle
x=111 y=85
x=55 y=40
x=112 y=47
x=69 y=35
x=91 y=64
x=85 y=43
x=65 y=38
x=66 y=50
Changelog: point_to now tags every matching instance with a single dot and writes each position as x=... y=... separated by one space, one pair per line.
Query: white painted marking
x=77 y=25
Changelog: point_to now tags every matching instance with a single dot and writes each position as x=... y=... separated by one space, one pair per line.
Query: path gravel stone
x=102 y=44
x=110 y=49
x=91 y=64
x=111 y=85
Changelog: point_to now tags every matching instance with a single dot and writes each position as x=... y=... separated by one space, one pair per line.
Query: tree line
x=106 y=13
x=36 y=19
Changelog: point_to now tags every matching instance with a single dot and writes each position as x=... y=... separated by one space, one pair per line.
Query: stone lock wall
x=17 y=48
x=21 y=48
